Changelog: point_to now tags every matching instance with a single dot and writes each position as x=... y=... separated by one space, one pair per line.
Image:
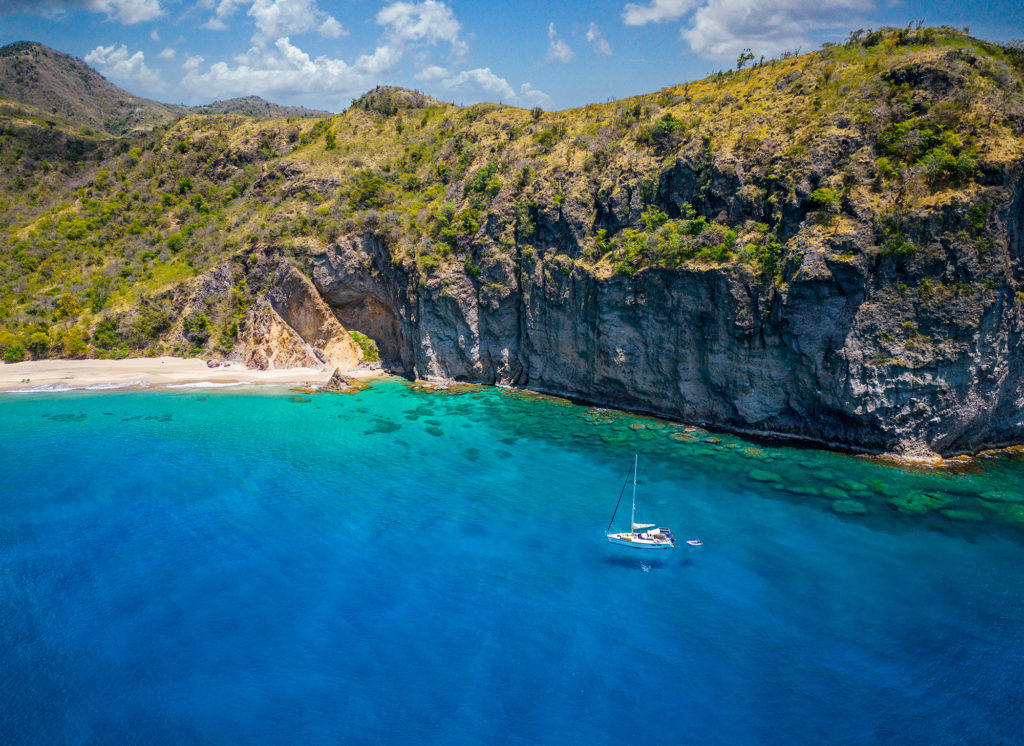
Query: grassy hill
x=254 y=106
x=894 y=150
x=60 y=86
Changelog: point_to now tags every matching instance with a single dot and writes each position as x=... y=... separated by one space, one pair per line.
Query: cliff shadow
x=378 y=321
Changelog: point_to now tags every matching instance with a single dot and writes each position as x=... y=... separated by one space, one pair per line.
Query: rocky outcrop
x=292 y=327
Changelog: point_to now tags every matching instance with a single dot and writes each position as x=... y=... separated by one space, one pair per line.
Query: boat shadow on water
x=645 y=564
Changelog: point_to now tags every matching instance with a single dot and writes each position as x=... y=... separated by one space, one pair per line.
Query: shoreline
x=57 y=375
x=44 y=376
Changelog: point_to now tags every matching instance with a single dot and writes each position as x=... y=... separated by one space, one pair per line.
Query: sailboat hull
x=637 y=541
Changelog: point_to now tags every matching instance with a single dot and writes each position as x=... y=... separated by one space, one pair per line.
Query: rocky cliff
x=828 y=247
x=707 y=344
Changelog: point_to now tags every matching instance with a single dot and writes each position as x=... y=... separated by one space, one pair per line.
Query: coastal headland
x=827 y=247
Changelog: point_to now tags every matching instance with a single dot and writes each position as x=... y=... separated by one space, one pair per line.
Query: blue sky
x=323 y=53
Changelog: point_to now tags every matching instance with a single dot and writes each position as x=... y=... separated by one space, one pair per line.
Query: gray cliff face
x=823 y=357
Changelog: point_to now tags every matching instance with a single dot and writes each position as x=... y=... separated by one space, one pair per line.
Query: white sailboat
x=640 y=535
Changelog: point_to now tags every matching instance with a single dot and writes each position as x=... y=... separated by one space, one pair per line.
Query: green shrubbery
x=484 y=182
x=664 y=242
x=368 y=190
x=14 y=353
x=664 y=135
x=940 y=152
x=371 y=353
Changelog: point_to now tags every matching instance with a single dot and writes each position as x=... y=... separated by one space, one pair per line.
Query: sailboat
x=640 y=535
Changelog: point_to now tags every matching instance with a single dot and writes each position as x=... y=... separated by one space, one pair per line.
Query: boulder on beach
x=340 y=384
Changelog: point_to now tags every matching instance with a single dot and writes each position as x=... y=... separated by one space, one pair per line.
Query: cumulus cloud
x=532 y=96
x=558 y=50
x=286 y=70
x=222 y=11
x=274 y=18
x=167 y=54
x=432 y=72
x=429 y=22
x=128 y=11
x=597 y=40
x=482 y=77
x=720 y=29
x=331 y=28
x=277 y=18
x=192 y=62
x=656 y=11
x=125 y=11
x=282 y=68
x=417 y=24
x=126 y=69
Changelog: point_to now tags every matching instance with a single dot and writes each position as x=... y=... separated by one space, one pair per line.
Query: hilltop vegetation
x=893 y=152
x=254 y=106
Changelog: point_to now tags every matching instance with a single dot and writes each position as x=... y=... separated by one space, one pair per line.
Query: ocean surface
x=256 y=565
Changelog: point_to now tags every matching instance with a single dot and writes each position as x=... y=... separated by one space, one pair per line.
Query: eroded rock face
x=365 y=291
x=712 y=345
x=292 y=327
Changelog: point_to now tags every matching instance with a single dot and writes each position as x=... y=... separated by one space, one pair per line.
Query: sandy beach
x=58 y=375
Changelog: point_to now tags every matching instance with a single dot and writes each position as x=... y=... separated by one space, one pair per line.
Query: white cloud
x=223 y=10
x=558 y=50
x=530 y=95
x=192 y=62
x=154 y=35
x=286 y=70
x=482 y=77
x=431 y=72
x=331 y=28
x=720 y=29
x=117 y=64
x=277 y=18
x=274 y=18
x=429 y=21
x=597 y=40
x=127 y=11
x=384 y=58
x=657 y=11
x=167 y=54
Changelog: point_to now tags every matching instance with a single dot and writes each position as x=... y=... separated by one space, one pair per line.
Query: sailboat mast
x=632 y=515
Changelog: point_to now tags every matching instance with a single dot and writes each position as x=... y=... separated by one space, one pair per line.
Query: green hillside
x=898 y=145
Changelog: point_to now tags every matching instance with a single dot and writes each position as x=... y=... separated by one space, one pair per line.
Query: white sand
x=51 y=375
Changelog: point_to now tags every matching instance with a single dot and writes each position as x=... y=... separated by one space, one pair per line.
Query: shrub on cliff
x=664 y=135
x=368 y=190
x=368 y=347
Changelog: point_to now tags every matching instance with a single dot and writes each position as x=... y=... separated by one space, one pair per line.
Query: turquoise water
x=402 y=566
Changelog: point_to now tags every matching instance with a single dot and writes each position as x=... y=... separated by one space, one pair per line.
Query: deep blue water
x=401 y=566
